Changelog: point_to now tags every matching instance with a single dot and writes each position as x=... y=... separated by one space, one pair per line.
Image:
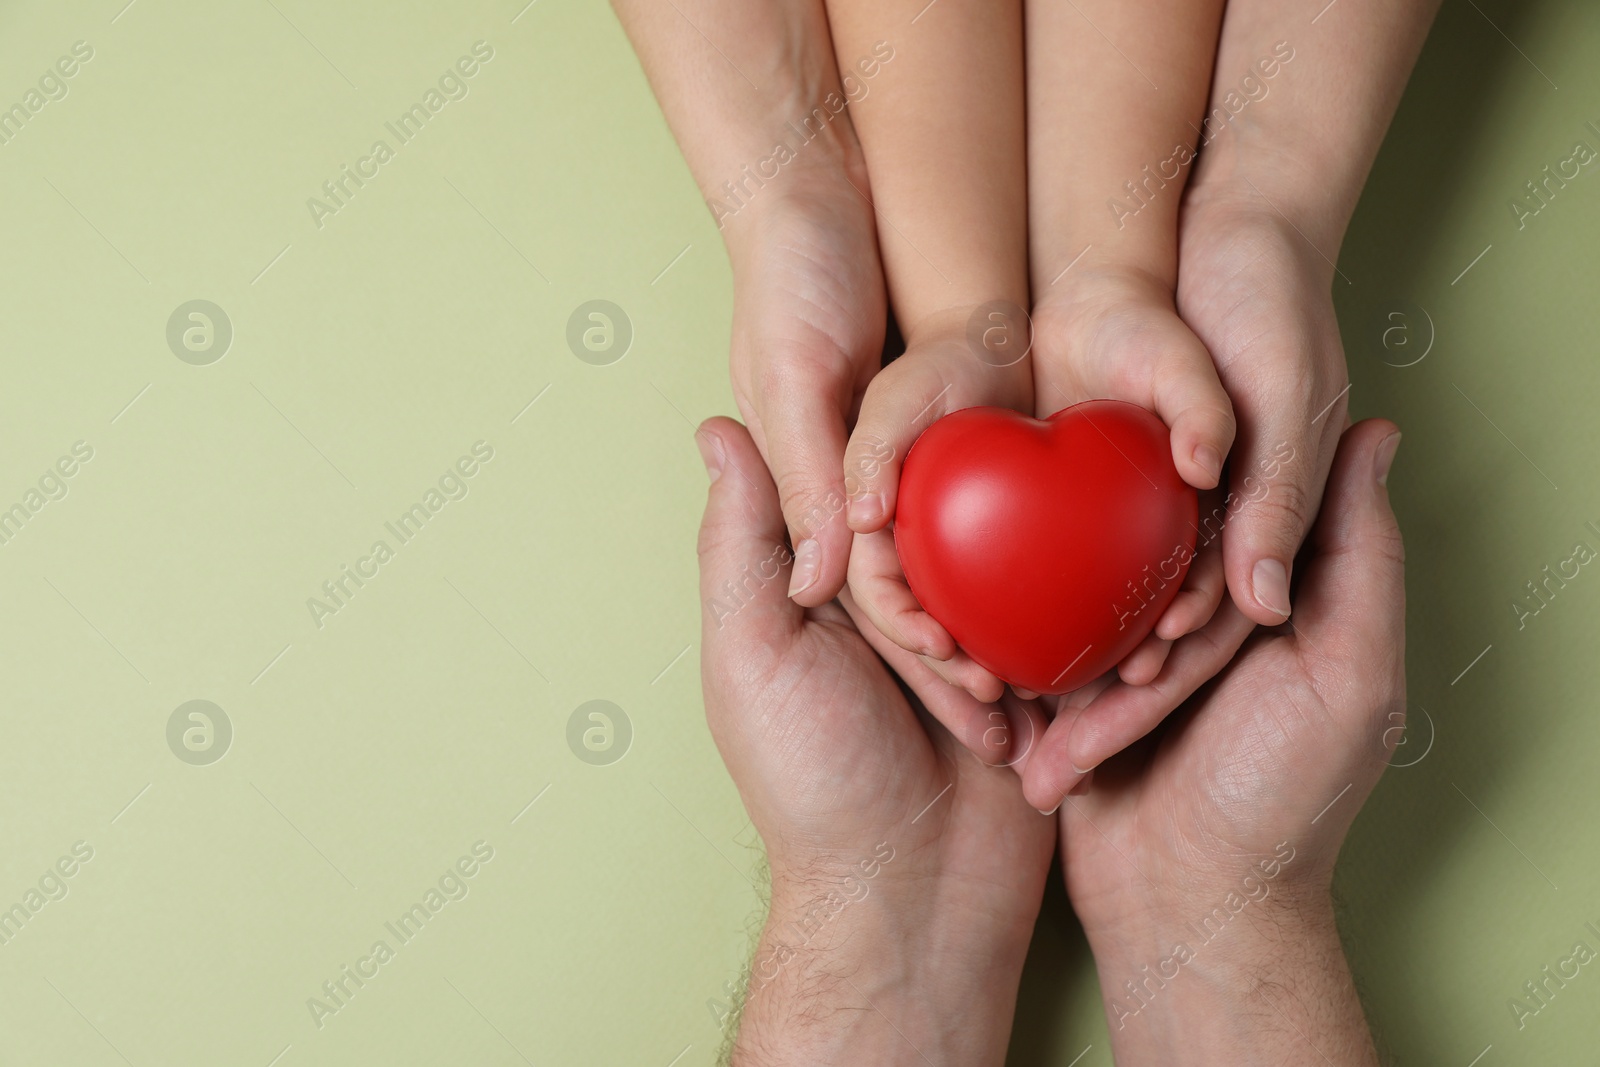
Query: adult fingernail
x=1385 y=459
x=1210 y=461
x=865 y=509
x=807 y=562
x=1269 y=584
x=1049 y=813
x=710 y=452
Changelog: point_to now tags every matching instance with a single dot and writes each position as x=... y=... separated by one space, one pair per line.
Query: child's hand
x=941 y=371
x=1115 y=334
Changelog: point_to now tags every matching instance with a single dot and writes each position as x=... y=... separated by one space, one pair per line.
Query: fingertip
x=1203 y=428
x=1384 y=458
x=866 y=513
x=1269 y=589
x=1143 y=664
x=806 y=569
x=1046 y=783
x=712 y=451
x=935 y=643
x=917 y=631
x=1178 y=618
x=1203 y=468
x=987 y=689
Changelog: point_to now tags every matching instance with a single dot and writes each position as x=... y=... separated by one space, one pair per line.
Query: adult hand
x=1260 y=296
x=1200 y=861
x=906 y=874
x=792 y=202
x=1295 y=120
x=809 y=316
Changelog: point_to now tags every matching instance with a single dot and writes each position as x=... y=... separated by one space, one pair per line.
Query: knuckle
x=1386 y=544
x=807 y=507
x=1282 y=506
x=869 y=454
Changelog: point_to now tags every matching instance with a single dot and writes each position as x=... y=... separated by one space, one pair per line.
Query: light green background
x=369 y=754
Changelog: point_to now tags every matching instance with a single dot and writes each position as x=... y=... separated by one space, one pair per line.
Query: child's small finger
x=1199 y=598
x=880 y=589
x=1141 y=666
x=961 y=670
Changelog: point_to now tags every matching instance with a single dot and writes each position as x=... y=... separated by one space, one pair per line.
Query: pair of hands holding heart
x=836 y=764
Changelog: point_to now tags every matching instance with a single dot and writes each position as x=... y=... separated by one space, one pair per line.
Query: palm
x=1207 y=786
x=851 y=756
x=830 y=749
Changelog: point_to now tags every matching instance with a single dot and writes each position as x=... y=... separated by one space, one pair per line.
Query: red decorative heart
x=1048 y=548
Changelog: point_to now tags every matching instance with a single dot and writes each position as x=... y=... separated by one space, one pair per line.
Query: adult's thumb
x=744 y=559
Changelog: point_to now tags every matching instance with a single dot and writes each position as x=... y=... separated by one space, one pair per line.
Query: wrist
x=884 y=969
x=1293 y=188
x=1235 y=976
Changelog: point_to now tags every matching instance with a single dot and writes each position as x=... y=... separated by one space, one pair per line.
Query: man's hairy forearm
x=877 y=975
x=1270 y=986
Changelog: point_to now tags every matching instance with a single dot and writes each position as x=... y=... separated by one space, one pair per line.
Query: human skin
x=1263 y=218
x=943 y=135
x=861 y=955
x=1241 y=804
x=1115 y=91
x=808 y=291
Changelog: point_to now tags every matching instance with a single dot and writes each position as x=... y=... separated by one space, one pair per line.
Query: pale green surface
x=407 y=728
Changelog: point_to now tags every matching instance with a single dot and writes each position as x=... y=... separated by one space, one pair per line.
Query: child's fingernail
x=1209 y=460
x=1386 y=450
x=865 y=509
x=1049 y=813
x=807 y=562
x=711 y=452
x=1269 y=584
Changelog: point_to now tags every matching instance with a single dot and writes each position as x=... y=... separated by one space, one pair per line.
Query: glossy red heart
x=1047 y=548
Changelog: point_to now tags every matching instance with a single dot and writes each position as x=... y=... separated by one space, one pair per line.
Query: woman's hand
x=809 y=316
x=793 y=204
